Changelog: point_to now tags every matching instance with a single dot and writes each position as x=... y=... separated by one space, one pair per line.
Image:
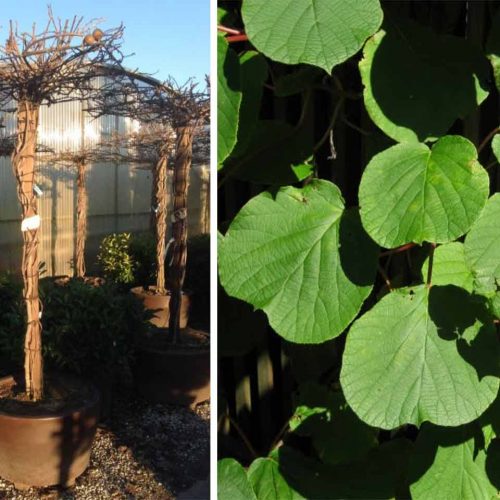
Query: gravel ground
x=143 y=452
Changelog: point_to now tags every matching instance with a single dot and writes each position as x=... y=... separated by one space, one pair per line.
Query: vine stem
x=237 y=38
x=331 y=125
x=488 y=138
x=431 y=262
x=242 y=435
x=279 y=436
x=384 y=275
x=397 y=250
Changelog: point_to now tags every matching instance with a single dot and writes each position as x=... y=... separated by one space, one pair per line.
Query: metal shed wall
x=119 y=195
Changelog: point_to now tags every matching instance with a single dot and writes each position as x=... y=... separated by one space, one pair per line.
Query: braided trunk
x=183 y=157
x=81 y=219
x=23 y=161
x=160 y=179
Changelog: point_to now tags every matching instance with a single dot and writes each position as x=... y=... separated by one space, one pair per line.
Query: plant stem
x=160 y=180
x=385 y=277
x=488 y=138
x=398 y=250
x=243 y=437
x=23 y=161
x=331 y=125
x=81 y=219
x=279 y=436
x=431 y=262
x=183 y=157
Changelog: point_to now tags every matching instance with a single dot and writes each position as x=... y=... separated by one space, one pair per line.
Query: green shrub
x=143 y=254
x=198 y=279
x=115 y=260
x=87 y=330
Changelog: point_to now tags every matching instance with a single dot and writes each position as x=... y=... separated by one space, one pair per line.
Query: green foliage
x=115 y=259
x=142 y=252
x=421 y=355
x=276 y=247
x=197 y=280
x=418 y=83
x=397 y=373
x=87 y=330
x=409 y=193
x=229 y=99
x=325 y=33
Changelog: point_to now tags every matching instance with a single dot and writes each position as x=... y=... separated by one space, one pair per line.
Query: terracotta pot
x=160 y=305
x=48 y=449
x=175 y=375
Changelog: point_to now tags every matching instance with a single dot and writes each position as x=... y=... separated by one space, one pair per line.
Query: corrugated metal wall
x=119 y=195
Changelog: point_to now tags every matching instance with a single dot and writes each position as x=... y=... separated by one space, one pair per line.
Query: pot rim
x=93 y=401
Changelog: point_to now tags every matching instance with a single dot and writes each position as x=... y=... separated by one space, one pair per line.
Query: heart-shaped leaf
x=323 y=33
x=410 y=193
x=302 y=259
x=418 y=83
x=445 y=464
x=420 y=355
x=232 y=481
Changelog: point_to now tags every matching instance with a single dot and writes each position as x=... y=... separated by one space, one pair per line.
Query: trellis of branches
x=185 y=110
x=55 y=64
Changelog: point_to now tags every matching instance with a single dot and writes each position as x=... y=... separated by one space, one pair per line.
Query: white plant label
x=30 y=223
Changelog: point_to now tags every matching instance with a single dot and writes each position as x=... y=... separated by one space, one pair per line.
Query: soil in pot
x=159 y=304
x=48 y=442
x=174 y=373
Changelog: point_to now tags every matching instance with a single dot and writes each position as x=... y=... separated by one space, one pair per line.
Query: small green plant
x=115 y=260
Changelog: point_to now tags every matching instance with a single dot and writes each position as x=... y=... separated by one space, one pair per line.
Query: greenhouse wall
x=119 y=194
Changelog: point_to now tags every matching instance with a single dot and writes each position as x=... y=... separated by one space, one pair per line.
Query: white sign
x=30 y=223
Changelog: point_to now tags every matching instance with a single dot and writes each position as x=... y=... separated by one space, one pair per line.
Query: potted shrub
x=47 y=422
x=173 y=360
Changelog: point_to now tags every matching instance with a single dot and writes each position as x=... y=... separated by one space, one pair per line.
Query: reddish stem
x=237 y=38
x=398 y=250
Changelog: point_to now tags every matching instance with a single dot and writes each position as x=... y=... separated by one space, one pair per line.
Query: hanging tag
x=38 y=190
x=30 y=223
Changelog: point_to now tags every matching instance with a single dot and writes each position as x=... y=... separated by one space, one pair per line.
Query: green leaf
x=493 y=48
x=302 y=259
x=323 y=33
x=297 y=81
x=273 y=150
x=495 y=146
x=267 y=481
x=420 y=355
x=232 y=481
x=482 y=244
x=445 y=465
x=228 y=98
x=450 y=267
x=253 y=74
x=417 y=83
x=337 y=433
x=409 y=193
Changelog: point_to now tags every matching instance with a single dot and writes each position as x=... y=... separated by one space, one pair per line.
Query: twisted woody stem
x=160 y=180
x=183 y=158
x=23 y=162
x=81 y=219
